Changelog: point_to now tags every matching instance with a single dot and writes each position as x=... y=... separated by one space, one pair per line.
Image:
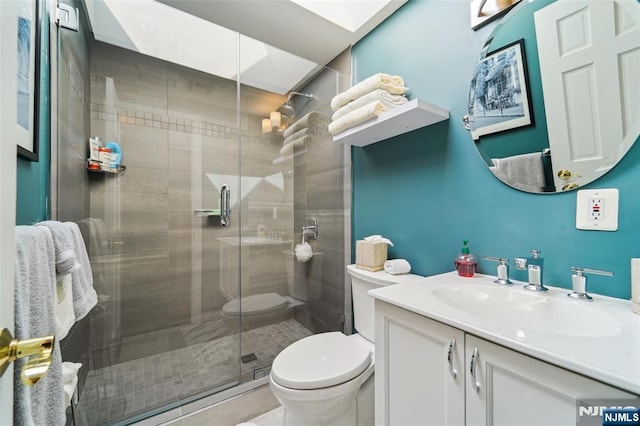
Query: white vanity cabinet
x=419 y=381
x=414 y=384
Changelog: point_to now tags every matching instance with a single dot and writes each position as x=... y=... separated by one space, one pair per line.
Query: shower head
x=287 y=108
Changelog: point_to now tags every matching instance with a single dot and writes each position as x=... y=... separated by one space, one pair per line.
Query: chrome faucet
x=534 y=266
x=579 y=282
x=503 y=269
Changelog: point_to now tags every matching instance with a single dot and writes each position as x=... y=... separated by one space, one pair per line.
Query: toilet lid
x=320 y=361
x=255 y=304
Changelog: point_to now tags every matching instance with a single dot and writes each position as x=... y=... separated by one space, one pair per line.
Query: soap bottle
x=465 y=262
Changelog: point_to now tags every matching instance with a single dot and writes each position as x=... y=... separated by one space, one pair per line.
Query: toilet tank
x=363 y=305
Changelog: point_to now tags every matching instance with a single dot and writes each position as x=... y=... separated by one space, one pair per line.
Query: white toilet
x=327 y=378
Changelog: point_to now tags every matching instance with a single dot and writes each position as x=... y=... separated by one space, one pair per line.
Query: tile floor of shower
x=123 y=391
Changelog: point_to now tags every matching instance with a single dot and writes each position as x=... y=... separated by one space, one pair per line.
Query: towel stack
x=303 y=131
x=366 y=100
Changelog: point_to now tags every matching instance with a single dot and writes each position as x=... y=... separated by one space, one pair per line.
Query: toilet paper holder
x=312 y=229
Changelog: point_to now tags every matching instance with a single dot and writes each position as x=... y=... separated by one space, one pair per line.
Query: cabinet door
x=515 y=389
x=414 y=382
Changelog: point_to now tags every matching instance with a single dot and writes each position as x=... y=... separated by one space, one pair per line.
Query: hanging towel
x=523 y=171
x=70 y=380
x=392 y=84
x=397 y=266
x=64 y=314
x=388 y=100
x=315 y=121
x=66 y=261
x=84 y=295
x=35 y=274
x=358 y=116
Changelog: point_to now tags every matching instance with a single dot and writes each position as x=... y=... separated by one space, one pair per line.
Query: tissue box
x=370 y=256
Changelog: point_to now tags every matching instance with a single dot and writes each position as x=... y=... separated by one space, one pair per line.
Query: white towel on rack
x=391 y=83
x=64 y=314
x=66 y=261
x=388 y=100
x=35 y=276
x=521 y=171
x=84 y=295
x=358 y=116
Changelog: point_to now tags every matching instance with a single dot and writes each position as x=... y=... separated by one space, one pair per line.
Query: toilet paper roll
x=397 y=266
x=303 y=252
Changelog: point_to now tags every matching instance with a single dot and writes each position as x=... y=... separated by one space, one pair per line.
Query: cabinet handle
x=472 y=370
x=452 y=370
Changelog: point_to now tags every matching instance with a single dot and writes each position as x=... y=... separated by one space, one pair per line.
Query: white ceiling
x=290 y=26
x=282 y=43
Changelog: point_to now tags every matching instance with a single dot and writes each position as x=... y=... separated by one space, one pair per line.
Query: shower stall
x=188 y=305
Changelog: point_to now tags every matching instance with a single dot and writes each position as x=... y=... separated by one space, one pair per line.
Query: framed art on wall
x=499 y=98
x=28 y=72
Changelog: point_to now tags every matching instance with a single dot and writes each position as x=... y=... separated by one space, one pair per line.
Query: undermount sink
x=529 y=311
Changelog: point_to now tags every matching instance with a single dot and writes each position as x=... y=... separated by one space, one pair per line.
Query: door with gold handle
x=41 y=348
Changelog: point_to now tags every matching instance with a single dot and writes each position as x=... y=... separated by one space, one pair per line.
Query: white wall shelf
x=405 y=118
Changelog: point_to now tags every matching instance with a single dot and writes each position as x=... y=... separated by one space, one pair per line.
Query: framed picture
x=484 y=11
x=499 y=97
x=28 y=72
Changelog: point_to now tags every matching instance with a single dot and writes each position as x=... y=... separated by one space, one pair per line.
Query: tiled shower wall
x=322 y=190
x=174 y=126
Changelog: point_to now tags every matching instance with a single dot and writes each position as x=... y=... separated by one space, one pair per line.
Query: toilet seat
x=320 y=361
x=255 y=305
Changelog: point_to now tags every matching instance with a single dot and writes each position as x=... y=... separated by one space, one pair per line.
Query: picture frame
x=28 y=74
x=499 y=98
x=484 y=11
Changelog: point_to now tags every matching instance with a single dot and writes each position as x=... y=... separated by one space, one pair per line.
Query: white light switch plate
x=597 y=209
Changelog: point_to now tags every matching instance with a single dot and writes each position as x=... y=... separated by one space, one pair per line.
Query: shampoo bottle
x=465 y=262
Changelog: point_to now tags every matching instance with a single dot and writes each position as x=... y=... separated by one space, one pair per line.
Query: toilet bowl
x=327 y=378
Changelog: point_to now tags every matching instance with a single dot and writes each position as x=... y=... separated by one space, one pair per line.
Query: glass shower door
x=156 y=339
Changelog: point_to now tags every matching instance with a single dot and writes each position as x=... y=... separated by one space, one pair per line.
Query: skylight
x=350 y=15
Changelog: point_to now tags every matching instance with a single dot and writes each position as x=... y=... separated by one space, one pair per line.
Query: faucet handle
x=503 y=269
x=579 y=282
x=536 y=254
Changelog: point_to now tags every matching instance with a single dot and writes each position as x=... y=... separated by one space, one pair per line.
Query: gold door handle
x=12 y=349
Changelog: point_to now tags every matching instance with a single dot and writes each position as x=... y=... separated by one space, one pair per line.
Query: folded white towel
x=397 y=266
x=315 y=121
x=294 y=143
x=296 y=135
x=84 y=295
x=392 y=84
x=64 y=314
x=358 y=116
x=388 y=100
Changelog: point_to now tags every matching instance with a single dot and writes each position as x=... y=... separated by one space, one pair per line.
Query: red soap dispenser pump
x=465 y=262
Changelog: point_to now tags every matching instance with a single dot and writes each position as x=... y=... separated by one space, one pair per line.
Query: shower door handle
x=225 y=205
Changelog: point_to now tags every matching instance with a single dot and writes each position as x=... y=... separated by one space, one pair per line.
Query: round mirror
x=554 y=100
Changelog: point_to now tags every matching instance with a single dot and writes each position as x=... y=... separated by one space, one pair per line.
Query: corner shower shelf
x=413 y=115
x=119 y=171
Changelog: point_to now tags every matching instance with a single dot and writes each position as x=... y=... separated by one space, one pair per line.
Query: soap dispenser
x=465 y=262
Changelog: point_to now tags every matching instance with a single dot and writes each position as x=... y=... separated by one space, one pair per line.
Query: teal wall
x=429 y=189
x=33 y=177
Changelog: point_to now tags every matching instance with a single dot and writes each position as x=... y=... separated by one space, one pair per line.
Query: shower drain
x=248 y=358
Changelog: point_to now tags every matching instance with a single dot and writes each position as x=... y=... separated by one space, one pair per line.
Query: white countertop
x=608 y=350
